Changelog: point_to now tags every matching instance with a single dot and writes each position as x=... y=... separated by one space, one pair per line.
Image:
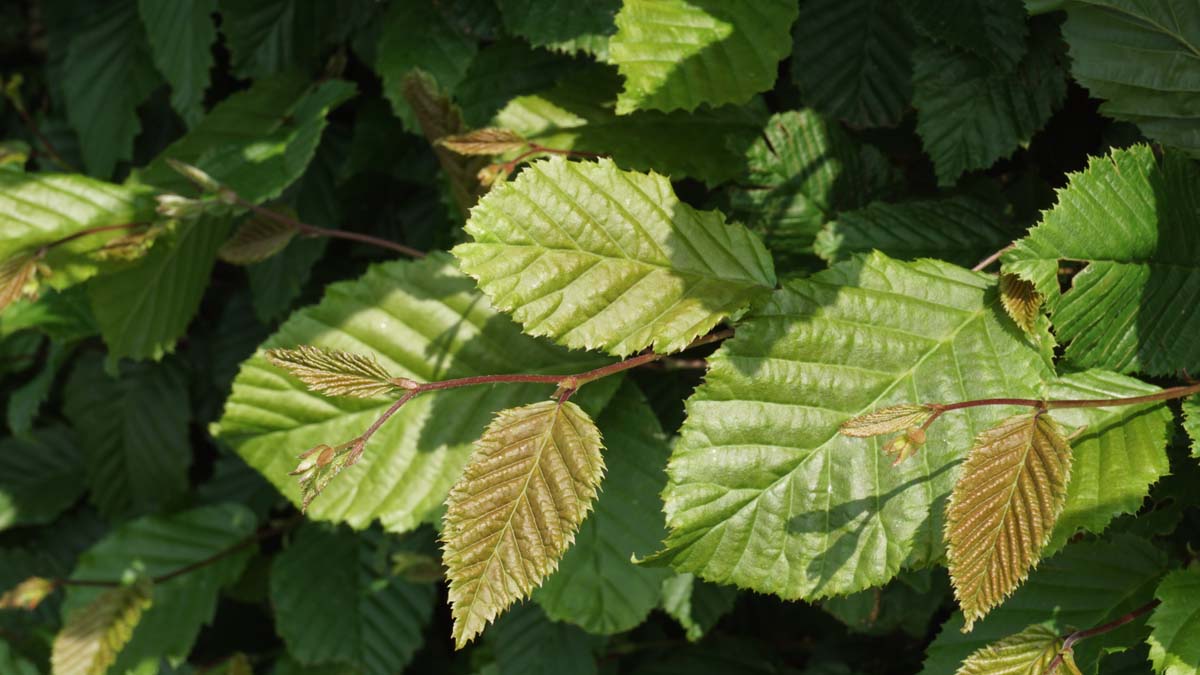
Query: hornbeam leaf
x=795 y=508
x=563 y=25
x=993 y=30
x=489 y=141
x=1131 y=219
x=1191 y=422
x=334 y=373
x=438 y=118
x=95 y=633
x=681 y=53
x=597 y=257
x=1021 y=300
x=257 y=239
x=1003 y=509
x=1026 y=653
x=16 y=276
x=529 y=484
x=1175 y=635
x=886 y=420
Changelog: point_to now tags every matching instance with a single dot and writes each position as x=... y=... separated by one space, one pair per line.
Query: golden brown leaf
x=336 y=373
x=15 y=277
x=28 y=594
x=488 y=141
x=1021 y=300
x=257 y=239
x=95 y=633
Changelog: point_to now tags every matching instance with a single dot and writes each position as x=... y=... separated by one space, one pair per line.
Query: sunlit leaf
x=95 y=633
x=334 y=373
x=1026 y=653
x=1175 y=635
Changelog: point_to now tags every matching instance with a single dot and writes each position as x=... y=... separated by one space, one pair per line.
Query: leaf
x=528 y=643
x=143 y=310
x=1003 y=509
x=803 y=170
x=266 y=37
x=697 y=605
x=11 y=662
x=886 y=420
x=1085 y=585
x=157 y=545
x=1005 y=109
x=958 y=229
x=578 y=114
x=40 y=476
x=489 y=141
x=506 y=69
x=64 y=316
x=906 y=603
x=138 y=452
x=1135 y=56
x=597 y=587
x=1130 y=219
x=1029 y=651
x=438 y=117
x=335 y=373
x=563 y=25
x=1175 y=635
x=16 y=276
x=256 y=239
x=28 y=594
x=26 y=401
x=107 y=74
x=93 y=635
x=796 y=509
x=596 y=257
x=1119 y=453
x=1021 y=300
x=680 y=53
x=424 y=321
x=993 y=30
x=335 y=601
x=181 y=37
x=853 y=60
x=530 y=482
x=1191 y=422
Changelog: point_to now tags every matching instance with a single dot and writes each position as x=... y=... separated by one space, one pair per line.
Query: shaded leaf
x=256 y=239
x=335 y=373
x=1175 y=635
x=1191 y=422
x=529 y=484
x=1028 y=652
x=563 y=25
x=266 y=37
x=40 y=476
x=526 y=642
x=1021 y=300
x=697 y=605
x=181 y=36
x=993 y=30
x=438 y=117
x=94 y=634
x=489 y=141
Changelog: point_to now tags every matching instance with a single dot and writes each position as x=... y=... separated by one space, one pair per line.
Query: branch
x=315 y=231
x=1081 y=635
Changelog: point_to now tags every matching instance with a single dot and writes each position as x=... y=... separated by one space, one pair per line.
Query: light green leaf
x=40 y=476
x=95 y=633
x=1084 y=586
x=597 y=586
x=137 y=453
x=1175 y=635
x=335 y=601
x=157 y=545
x=144 y=309
x=1119 y=452
x=528 y=643
x=797 y=509
x=1191 y=422
x=680 y=53
x=64 y=316
x=1140 y=57
x=853 y=60
x=596 y=257
x=961 y=229
x=530 y=482
x=181 y=35
x=421 y=320
x=803 y=171
x=1028 y=652
x=993 y=30
x=1003 y=509
x=1132 y=221
x=577 y=114
x=697 y=605
x=563 y=25
x=106 y=76
x=1005 y=109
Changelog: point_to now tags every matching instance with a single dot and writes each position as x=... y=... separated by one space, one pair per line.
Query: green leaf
x=597 y=587
x=37 y=210
x=1084 y=586
x=596 y=257
x=960 y=229
x=577 y=114
x=181 y=35
x=259 y=237
x=1003 y=509
x=278 y=281
x=335 y=601
x=143 y=310
x=797 y=509
x=1029 y=651
x=993 y=30
x=64 y=316
x=563 y=25
x=1139 y=57
x=1119 y=452
x=1175 y=635
x=138 y=451
x=40 y=476
x=157 y=545
x=1191 y=422
x=266 y=37
x=11 y=662
x=1005 y=109
x=903 y=604
x=680 y=53
x=94 y=634
x=420 y=320
x=1130 y=218
x=530 y=482
x=107 y=75
x=528 y=643
x=697 y=605
x=803 y=171
x=853 y=60
x=26 y=401
x=506 y=69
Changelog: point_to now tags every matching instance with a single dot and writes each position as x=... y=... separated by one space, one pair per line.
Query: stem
x=991 y=258
x=315 y=231
x=47 y=146
x=1080 y=635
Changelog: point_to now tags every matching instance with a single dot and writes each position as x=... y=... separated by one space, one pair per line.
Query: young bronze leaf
x=1003 y=509
x=529 y=484
x=439 y=117
x=95 y=633
x=15 y=275
x=1021 y=300
x=1026 y=653
x=886 y=420
x=335 y=373
x=28 y=594
x=489 y=141
x=256 y=240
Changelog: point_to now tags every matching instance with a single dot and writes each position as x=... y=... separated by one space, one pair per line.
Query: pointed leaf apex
x=886 y=420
